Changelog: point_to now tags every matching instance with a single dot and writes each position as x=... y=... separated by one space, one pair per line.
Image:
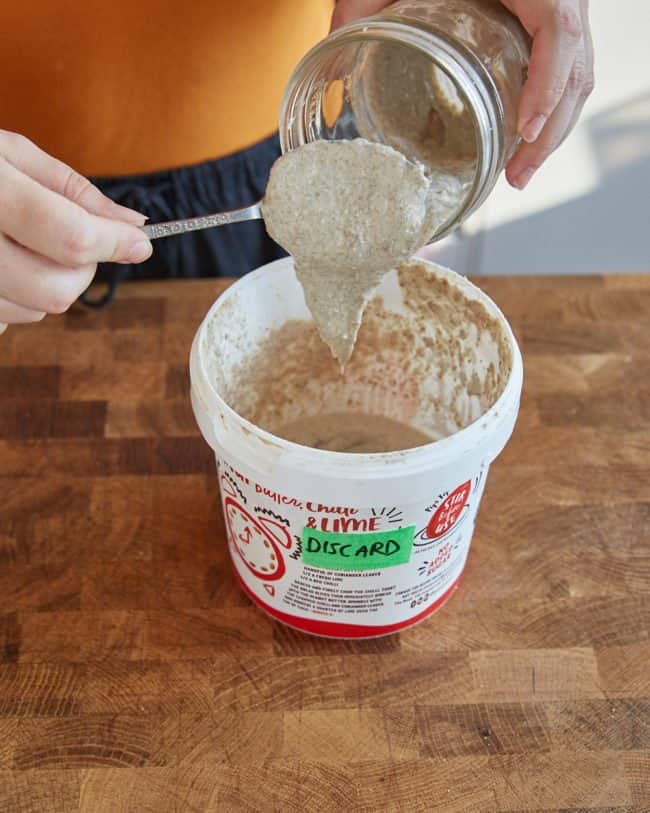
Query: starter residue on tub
x=436 y=365
x=348 y=211
x=353 y=432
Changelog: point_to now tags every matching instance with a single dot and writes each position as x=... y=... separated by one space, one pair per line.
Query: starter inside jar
x=400 y=97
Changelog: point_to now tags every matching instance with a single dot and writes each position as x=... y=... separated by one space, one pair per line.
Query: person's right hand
x=55 y=226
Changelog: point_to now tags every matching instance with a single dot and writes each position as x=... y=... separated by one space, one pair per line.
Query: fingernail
x=140 y=252
x=531 y=130
x=523 y=178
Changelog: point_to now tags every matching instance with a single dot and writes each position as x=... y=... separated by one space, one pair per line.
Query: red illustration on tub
x=257 y=540
x=448 y=513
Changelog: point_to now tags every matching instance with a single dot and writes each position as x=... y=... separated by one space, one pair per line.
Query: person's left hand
x=560 y=74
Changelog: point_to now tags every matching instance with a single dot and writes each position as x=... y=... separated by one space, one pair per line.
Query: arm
x=55 y=226
x=560 y=75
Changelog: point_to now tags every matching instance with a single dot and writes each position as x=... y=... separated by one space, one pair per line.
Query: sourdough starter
x=402 y=99
x=420 y=372
x=348 y=212
x=353 y=432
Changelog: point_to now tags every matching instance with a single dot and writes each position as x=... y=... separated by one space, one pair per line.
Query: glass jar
x=438 y=80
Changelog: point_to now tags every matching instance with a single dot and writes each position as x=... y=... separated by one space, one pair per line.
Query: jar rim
x=467 y=72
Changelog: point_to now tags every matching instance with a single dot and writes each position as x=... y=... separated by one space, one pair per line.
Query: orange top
x=118 y=88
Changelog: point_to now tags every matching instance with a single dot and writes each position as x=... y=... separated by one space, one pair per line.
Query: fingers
x=31 y=281
x=529 y=157
x=55 y=226
x=348 y=10
x=588 y=86
x=52 y=225
x=57 y=176
x=12 y=314
x=560 y=78
x=588 y=39
x=553 y=55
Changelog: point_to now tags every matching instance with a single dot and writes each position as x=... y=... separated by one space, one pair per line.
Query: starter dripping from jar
x=348 y=212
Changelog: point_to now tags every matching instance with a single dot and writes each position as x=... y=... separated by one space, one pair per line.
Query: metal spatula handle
x=171 y=227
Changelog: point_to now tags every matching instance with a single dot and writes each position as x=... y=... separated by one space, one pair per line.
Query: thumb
x=348 y=10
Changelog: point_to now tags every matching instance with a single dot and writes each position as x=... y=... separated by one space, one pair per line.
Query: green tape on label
x=369 y=551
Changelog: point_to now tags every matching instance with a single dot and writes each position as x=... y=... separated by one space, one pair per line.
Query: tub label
x=346 y=568
x=366 y=551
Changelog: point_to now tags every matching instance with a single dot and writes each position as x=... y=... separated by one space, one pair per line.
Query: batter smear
x=348 y=212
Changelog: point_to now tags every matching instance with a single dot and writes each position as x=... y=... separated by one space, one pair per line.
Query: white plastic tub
x=334 y=544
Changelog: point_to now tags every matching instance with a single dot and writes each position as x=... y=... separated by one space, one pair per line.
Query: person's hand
x=560 y=78
x=55 y=226
x=560 y=74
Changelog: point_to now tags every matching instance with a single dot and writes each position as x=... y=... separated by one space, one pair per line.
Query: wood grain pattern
x=135 y=677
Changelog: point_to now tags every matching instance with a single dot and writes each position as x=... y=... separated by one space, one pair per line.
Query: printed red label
x=254 y=543
x=448 y=512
